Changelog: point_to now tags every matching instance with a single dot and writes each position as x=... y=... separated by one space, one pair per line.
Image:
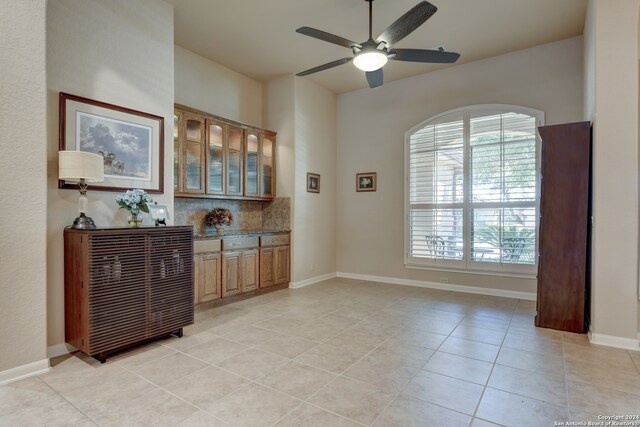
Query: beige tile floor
x=341 y=353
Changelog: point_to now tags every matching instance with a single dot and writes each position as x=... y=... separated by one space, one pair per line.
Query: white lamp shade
x=75 y=165
x=370 y=60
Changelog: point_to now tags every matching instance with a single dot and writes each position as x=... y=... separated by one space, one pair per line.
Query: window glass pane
x=175 y=127
x=503 y=158
x=436 y=164
x=500 y=194
x=215 y=158
x=235 y=144
x=194 y=130
x=436 y=233
x=252 y=165
x=506 y=235
x=267 y=165
x=176 y=152
x=519 y=171
x=193 y=165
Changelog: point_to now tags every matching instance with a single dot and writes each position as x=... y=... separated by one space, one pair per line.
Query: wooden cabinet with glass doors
x=219 y=158
x=189 y=149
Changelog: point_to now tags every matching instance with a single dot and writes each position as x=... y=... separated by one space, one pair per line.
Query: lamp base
x=83 y=222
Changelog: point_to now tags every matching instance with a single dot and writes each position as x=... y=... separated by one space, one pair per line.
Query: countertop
x=229 y=233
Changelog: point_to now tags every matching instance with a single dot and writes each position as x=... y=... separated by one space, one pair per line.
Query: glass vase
x=134 y=220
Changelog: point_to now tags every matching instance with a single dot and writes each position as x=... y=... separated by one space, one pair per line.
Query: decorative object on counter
x=159 y=213
x=313 y=182
x=219 y=217
x=130 y=142
x=135 y=201
x=366 y=181
x=83 y=168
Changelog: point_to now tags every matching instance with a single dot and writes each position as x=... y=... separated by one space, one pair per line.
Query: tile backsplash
x=247 y=215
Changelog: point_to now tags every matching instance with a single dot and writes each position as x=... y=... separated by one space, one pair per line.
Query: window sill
x=413 y=266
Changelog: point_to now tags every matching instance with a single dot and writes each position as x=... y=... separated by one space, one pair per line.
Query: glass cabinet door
x=252 y=164
x=215 y=160
x=176 y=153
x=194 y=149
x=234 y=158
x=268 y=177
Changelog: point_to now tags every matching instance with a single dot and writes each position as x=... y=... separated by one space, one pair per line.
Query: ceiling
x=257 y=38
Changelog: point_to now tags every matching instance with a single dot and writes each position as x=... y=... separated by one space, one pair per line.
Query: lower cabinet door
x=281 y=264
x=250 y=271
x=267 y=267
x=208 y=277
x=231 y=278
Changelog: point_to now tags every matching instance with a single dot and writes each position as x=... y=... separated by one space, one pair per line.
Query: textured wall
x=315 y=151
x=116 y=51
x=371 y=128
x=208 y=86
x=612 y=46
x=23 y=136
x=304 y=114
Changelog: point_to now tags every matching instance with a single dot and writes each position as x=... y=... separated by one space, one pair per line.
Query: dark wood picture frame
x=366 y=181
x=313 y=182
x=73 y=106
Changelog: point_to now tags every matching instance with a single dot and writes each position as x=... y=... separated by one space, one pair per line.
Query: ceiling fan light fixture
x=370 y=60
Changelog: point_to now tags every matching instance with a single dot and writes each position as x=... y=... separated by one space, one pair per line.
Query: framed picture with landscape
x=366 y=181
x=131 y=142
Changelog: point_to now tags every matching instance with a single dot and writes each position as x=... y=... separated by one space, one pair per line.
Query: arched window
x=472 y=190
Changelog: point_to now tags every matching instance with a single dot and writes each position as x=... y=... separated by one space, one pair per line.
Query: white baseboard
x=311 y=281
x=443 y=286
x=614 y=341
x=24 y=371
x=59 y=350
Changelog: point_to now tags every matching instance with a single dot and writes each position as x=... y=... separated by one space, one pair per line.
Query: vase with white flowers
x=135 y=201
x=219 y=217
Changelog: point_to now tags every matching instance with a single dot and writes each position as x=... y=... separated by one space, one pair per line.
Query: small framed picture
x=366 y=181
x=313 y=183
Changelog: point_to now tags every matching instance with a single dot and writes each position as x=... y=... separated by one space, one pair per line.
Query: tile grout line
x=68 y=401
x=416 y=374
x=484 y=389
x=290 y=360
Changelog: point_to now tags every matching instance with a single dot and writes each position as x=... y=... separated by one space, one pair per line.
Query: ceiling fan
x=371 y=55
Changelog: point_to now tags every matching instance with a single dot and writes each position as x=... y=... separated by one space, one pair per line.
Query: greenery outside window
x=472 y=190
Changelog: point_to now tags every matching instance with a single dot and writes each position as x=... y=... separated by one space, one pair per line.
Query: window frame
x=467 y=265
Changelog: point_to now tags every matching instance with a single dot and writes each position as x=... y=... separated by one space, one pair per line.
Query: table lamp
x=83 y=168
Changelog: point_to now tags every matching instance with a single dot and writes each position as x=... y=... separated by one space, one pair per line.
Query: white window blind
x=472 y=190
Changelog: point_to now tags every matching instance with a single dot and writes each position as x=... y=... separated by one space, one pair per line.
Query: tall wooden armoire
x=563 y=266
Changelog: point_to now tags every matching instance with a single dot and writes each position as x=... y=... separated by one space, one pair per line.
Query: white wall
x=279 y=115
x=116 y=51
x=23 y=176
x=613 y=105
x=304 y=114
x=314 y=219
x=371 y=127
x=210 y=87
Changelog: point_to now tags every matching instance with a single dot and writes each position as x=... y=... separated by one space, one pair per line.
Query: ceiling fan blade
x=407 y=23
x=375 y=78
x=324 y=66
x=327 y=37
x=424 y=55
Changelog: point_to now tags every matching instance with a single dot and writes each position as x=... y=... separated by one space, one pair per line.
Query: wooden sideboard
x=229 y=268
x=126 y=285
